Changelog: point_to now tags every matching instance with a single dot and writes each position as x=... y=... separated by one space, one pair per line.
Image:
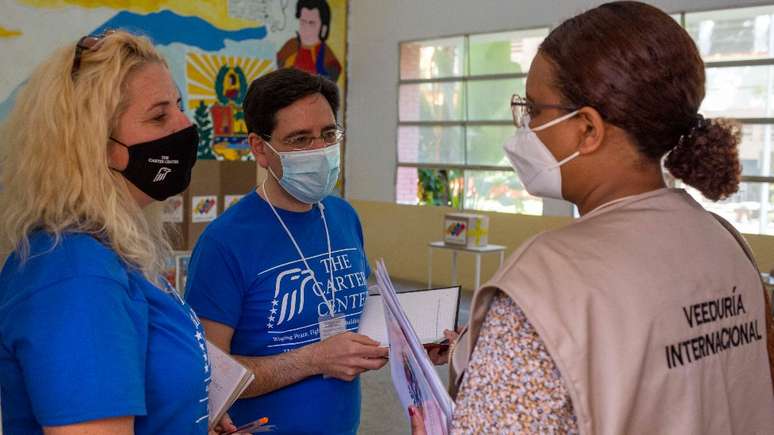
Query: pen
x=253 y=426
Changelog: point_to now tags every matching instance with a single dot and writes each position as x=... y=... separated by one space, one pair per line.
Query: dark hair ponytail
x=642 y=72
x=707 y=158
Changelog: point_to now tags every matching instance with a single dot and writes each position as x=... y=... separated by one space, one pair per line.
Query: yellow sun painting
x=202 y=71
x=216 y=86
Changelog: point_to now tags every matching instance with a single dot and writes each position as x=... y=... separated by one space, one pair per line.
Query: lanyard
x=332 y=301
x=171 y=290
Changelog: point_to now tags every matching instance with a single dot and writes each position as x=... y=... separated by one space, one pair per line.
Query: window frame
x=765 y=181
x=464 y=124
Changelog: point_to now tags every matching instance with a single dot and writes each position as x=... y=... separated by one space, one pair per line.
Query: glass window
x=485 y=144
x=491 y=99
x=739 y=92
x=749 y=210
x=755 y=151
x=462 y=123
x=499 y=191
x=732 y=34
x=431 y=144
x=457 y=118
x=504 y=53
x=407 y=186
x=441 y=101
x=429 y=186
x=437 y=58
x=745 y=89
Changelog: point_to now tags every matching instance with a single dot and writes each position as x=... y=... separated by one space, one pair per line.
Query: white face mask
x=309 y=176
x=533 y=162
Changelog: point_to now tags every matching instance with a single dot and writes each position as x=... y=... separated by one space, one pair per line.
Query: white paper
x=413 y=374
x=429 y=311
x=172 y=210
x=229 y=380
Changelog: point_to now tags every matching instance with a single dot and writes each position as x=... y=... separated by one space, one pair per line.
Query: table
x=456 y=249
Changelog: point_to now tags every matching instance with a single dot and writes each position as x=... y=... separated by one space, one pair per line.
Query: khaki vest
x=653 y=313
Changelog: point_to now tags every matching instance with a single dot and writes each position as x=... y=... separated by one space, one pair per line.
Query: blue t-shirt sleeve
x=214 y=288
x=81 y=343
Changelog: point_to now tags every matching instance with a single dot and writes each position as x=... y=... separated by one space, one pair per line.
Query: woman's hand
x=439 y=355
x=225 y=425
x=417 y=421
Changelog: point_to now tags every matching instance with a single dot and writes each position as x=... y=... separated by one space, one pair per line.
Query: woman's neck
x=637 y=182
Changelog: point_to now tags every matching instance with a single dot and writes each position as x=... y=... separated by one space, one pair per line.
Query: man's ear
x=259 y=149
x=592 y=130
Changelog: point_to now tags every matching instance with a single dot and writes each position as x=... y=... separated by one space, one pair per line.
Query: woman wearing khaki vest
x=646 y=315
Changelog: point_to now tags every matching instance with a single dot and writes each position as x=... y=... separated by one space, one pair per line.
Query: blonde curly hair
x=54 y=155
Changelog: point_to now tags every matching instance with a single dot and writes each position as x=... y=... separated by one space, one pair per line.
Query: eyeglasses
x=303 y=142
x=523 y=110
x=88 y=42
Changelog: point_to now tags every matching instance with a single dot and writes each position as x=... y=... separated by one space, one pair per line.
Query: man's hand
x=347 y=355
x=439 y=355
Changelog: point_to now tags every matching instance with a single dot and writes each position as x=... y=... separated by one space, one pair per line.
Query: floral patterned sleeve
x=512 y=384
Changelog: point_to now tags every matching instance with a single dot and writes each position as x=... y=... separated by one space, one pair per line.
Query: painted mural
x=214 y=49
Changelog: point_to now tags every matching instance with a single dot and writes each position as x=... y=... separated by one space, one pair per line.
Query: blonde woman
x=91 y=339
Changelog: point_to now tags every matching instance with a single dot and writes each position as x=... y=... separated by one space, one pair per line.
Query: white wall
x=376 y=27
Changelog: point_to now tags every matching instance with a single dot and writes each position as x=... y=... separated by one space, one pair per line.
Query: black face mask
x=162 y=167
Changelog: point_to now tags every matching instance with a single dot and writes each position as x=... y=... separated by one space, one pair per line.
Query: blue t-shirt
x=246 y=273
x=82 y=338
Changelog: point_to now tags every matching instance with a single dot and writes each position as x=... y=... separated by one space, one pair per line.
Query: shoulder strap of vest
x=767 y=301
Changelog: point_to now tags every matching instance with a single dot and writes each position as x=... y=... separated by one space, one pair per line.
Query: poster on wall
x=172 y=211
x=230 y=200
x=214 y=49
x=204 y=208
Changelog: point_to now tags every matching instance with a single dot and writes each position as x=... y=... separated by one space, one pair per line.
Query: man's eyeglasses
x=523 y=110
x=303 y=142
x=88 y=42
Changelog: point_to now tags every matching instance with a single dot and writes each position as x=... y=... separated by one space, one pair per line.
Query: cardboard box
x=210 y=178
x=464 y=229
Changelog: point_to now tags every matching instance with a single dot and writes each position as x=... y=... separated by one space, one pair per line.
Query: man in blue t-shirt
x=280 y=279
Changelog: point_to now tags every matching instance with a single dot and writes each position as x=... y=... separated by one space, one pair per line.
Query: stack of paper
x=229 y=380
x=413 y=374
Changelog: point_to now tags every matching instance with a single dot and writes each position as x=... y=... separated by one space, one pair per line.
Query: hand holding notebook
x=229 y=380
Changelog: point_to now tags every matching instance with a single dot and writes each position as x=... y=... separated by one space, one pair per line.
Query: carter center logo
x=289 y=291
x=162 y=174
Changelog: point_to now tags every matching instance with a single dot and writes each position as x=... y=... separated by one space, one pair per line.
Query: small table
x=478 y=251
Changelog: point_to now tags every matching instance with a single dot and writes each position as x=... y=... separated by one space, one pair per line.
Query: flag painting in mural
x=217 y=86
x=214 y=49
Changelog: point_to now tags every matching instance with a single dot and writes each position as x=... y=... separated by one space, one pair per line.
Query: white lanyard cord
x=330 y=303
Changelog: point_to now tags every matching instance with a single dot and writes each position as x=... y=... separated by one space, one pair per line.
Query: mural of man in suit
x=308 y=50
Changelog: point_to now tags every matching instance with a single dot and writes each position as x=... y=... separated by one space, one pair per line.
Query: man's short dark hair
x=325 y=14
x=276 y=90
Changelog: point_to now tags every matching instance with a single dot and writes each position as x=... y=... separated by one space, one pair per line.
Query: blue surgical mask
x=309 y=176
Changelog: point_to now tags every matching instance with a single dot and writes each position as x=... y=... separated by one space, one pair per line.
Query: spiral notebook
x=229 y=380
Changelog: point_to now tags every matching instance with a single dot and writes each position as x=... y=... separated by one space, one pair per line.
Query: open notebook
x=229 y=380
x=429 y=312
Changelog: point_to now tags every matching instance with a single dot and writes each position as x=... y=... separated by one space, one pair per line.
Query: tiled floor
x=381 y=412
